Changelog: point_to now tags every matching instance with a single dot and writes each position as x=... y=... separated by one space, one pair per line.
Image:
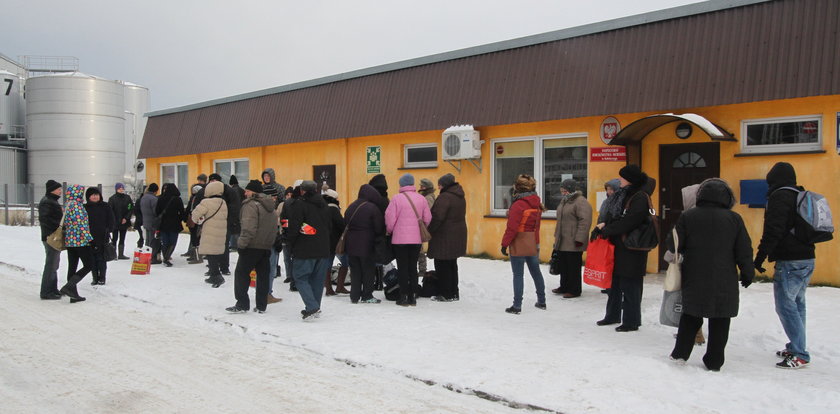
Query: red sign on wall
x=608 y=154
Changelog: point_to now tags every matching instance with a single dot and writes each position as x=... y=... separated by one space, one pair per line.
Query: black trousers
x=624 y=303
x=118 y=237
x=141 y=240
x=407 y=255
x=251 y=259
x=362 y=275
x=718 y=337
x=74 y=254
x=213 y=265
x=570 y=264
x=100 y=266
x=224 y=258
x=447 y=278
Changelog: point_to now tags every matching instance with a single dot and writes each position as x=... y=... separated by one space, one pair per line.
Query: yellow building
x=553 y=105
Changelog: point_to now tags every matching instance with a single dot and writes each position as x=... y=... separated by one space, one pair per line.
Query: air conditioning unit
x=461 y=142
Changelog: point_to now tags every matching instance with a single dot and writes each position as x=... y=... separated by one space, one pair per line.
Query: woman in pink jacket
x=402 y=222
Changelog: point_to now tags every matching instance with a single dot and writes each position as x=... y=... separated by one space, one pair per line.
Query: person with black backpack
x=794 y=261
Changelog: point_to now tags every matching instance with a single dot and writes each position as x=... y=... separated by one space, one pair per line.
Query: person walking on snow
x=522 y=236
x=77 y=240
x=123 y=208
x=170 y=208
x=102 y=223
x=49 y=217
x=148 y=203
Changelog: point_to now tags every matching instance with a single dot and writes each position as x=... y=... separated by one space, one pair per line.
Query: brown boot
x=699 y=339
x=342 y=276
x=328 y=289
x=271 y=299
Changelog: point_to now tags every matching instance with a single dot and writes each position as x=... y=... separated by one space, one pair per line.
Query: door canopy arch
x=638 y=130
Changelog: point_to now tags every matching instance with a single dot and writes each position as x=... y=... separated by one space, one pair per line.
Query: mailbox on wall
x=754 y=193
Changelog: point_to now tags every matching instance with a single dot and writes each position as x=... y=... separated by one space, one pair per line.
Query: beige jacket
x=574 y=219
x=211 y=213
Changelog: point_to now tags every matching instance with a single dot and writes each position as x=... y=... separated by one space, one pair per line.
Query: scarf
x=615 y=203
x=569 y=197
x=517 y=196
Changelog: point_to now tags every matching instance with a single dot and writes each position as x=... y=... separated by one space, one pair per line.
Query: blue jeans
x=272 y=271
x=309 y=277
x=517 y=264
x=49 y=278
x=789 y=284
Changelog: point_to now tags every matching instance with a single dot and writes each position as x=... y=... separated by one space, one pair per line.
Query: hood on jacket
x=689 y=196
x=781 y=175
x=265 y=201
x=649 y=186
x=715 y=191
x=407 y=188
x=379 y=183
x=75 y=192
x=368 y=193
x=270 y=172
x=213 y=189
x=90 y=192
x=314 y=198
x=170 y=190
x=615 y=184
x=533 y=200
x=457 y=190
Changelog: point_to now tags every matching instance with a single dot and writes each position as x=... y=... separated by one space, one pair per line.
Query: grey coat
x=259 y=223
x=147 y=208
x=574 y=219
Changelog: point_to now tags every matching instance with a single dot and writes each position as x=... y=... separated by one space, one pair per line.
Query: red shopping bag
x=600 y=259
x=253 y=278
x=141 y=264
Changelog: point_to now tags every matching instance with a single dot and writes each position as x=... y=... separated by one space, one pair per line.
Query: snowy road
x=98 y=358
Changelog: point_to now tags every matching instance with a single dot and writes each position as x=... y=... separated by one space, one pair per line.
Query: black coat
x=777 y=241
x=310 y=209
x=337 y=226
x=49 y=214
x=138 y=213
x=101 y=222
x=123 y=208
x=628 y=263
x=713 y=241
x=171 y=206
x=449 y=224
x=367 y=225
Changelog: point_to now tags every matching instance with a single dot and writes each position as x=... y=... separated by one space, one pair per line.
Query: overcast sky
x=188 y=51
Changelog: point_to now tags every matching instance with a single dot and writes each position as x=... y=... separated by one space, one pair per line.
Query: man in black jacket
x=308 y=238
x=123 y=207
x=49 y=215
x=794 y=262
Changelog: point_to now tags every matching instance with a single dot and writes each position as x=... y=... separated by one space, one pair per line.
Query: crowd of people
x=305 y=224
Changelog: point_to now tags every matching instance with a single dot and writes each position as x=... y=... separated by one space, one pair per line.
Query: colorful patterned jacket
x=76 y=224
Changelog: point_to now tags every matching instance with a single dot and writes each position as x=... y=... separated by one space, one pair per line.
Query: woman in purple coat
x=364 y=222
x=402 y=223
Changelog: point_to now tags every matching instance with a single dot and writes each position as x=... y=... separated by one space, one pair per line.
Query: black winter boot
x=167 y=255
x=70 y=289
x=403 y=301
x=122 y=256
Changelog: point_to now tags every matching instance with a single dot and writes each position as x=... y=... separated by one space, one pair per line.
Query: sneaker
x=235 y=309
x=440 y=299
x=539 y=305
x=218 y=283
x=308 y=316
x=792 y=362
x=257 y=310
x=371 y=300
x=226 y=272
x=783 y=353
x=513 y=310
x=677 y=361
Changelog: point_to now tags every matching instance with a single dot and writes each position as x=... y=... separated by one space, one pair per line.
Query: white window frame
x=232 y=161
x=177 y=178
x=776 y=148
x=425 y=164
x=539 y=154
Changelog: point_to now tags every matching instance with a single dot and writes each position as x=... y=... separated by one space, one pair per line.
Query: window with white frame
x=178 y=174
x=549 y=159
x=790 y=134
x=238 y=167
x=420 y=156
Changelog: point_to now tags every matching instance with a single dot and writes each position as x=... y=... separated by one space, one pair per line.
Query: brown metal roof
x=759 y=51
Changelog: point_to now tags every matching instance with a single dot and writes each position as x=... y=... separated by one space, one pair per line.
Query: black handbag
x=554 y=264
x=646 y=236
x=383 y=251
x=110 y=252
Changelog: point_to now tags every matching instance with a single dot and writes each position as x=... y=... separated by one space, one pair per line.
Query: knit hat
x=91 y=191
x=153 y=187
x=524 y=184
x=215 y=177
x=446 y=180
x=234 y=181
x=52 y=185
x=615 y=184
x=406 y=180
x=202 y=178
x=117 y=186
x=255 y=186
x=308 y=186
x=569 y=185
x=633 y=174
x=427 y=183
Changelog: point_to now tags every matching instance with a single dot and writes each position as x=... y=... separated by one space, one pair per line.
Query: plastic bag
x=600 y=260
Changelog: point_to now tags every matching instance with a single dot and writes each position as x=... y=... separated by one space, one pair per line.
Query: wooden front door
x=681 y=165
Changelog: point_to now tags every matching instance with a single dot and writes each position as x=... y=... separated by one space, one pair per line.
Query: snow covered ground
x=163 y=343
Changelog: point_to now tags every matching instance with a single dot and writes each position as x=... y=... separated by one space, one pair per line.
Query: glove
x=595 y=233
x=757 y=263
x=746 y=281
x=504 y=251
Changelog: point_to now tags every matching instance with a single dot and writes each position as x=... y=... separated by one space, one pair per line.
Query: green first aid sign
x=374 y=160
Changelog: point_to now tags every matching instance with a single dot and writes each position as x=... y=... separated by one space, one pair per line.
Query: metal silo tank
x=12 y=107
x=75 y=130
x=137 y=104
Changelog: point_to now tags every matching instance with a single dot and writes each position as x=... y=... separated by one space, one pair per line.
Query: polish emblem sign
x=609 y=129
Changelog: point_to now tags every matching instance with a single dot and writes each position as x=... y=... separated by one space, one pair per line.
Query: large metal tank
x=137 y=104
x=12 y=109
x=13 y=173
x=75 y=130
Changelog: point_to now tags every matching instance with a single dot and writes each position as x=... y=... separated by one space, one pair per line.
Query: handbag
x=525 y=242
x=672 y=308
x=110 y=252
x=56 y=238
x=600 y=261
x=158 y=218
x=554 y=263
x=673 y=276
x=383 y=251
x=339 y=247
x=646 y=236
x=424 y=231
